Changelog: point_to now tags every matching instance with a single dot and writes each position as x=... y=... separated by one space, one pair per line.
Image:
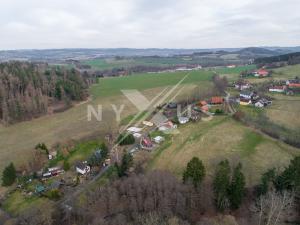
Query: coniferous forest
x=28 y=90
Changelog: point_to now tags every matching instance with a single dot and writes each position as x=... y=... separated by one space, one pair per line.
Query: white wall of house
x=82 y=172
x=276 y=90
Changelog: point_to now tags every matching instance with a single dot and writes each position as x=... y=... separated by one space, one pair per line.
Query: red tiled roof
x=216 y=100
x=202 y=103
x=294 y=85
x=262 y=72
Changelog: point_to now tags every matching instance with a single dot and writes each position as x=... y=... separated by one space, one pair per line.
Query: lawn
x=16 y=203
x=236 y=70
x=233 y=74
x=80 y=152
x=218 y=139
x=285 y=110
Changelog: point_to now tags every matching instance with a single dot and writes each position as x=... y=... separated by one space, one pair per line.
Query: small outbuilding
x=82 y=168
x=158 y=139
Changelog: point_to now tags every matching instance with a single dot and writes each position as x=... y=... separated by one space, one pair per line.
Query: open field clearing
x=285 y=110
x=113 y=86
x=237 y=70
x=287 y=72
x=18 y=141
x=219 y=139
x=233 y=74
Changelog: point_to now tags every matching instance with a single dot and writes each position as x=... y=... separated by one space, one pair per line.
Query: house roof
x=216 y=100
x=80 y=165
x=205 y=108
x=134 y=129
x=278 y=87
x=245 y=92
x=39 y=188
x=203 y=103
x=262 y=71
x=294 y=84
x=172 y=105
x=159 y=138
x=146 y=141
x=244 y=100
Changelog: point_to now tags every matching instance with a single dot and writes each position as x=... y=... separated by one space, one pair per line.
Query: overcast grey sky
x=148 y=23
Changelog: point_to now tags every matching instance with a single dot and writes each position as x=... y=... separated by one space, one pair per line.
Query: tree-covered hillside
x=27 y=89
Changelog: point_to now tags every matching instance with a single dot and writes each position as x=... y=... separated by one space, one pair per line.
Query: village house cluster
x=289 y=87
x=154 y=132
x=247 y=96
x=56 y=179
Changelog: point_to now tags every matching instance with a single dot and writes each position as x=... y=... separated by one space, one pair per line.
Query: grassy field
x=285 y=111
x=111 y=63
x=287 y=72
x=113 y=86
x=236 y=70
x=218 y=139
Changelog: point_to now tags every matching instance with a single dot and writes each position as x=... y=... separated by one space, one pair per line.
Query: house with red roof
x=217 y=100
x=204 y=108
x=279 y=89
x=261 y=73
x=202 y=103
x=146 y=143
x=293 y=83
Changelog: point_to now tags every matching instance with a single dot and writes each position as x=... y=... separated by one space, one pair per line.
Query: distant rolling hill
x=291 y=58
x=254 y=51
x=83 y=54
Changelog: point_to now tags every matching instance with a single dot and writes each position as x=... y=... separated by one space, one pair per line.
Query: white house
x=158 y=139
x=231 y=66
x=167 y=126
x=137 y=135
x=259 y=104
x=279 y=89
x=246 y=94
x=52 y=155
x=242 y=85
x=183 y=120
x=134 y=129
x=82 y=168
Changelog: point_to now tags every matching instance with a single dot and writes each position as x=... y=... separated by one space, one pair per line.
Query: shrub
x=9 y=175
x=126 y=139
x=66 y=165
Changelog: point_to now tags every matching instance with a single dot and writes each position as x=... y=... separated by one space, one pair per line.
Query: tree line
x=158 y=197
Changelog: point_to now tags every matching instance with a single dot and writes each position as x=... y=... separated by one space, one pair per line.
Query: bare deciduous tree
x=274 y=207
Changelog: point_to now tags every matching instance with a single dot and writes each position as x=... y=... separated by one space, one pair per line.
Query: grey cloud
x=145 y=23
